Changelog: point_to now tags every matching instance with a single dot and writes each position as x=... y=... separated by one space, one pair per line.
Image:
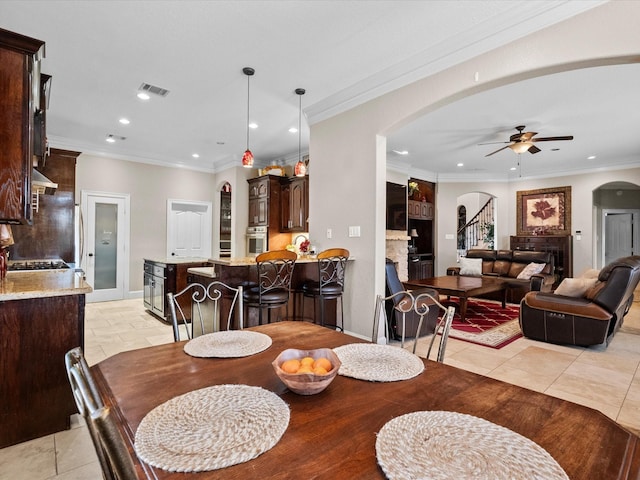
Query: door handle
x=90 y=254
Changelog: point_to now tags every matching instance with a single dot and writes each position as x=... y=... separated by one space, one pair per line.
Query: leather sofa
x=591 y=318
x=394 y=317
x=507 y=265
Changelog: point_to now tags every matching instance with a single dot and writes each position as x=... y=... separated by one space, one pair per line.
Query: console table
x=560 y=246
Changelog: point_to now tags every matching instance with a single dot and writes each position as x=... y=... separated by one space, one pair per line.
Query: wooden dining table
x=332 y=435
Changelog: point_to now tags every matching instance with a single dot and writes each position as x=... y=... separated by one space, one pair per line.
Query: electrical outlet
x=329 y=233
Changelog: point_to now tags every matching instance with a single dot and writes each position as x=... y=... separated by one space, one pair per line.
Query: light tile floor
x=604 y=379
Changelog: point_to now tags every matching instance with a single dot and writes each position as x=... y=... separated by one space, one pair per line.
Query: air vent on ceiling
x=145 y=87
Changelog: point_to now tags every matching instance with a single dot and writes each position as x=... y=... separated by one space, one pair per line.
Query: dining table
x=332 y=434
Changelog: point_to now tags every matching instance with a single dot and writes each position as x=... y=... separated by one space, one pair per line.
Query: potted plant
x=414 y=190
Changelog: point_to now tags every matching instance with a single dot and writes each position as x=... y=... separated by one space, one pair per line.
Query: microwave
x=256 y=241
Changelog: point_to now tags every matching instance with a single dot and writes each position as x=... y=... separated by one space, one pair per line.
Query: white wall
x=149 y=187
x=352 y=146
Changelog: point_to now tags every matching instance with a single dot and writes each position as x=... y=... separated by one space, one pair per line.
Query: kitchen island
x=241 y=270
x=41 y=318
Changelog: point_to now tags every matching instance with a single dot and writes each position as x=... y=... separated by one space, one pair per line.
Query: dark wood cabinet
x=264 y=201
x=162 y=277
x=19 y=78
x=35 y=398
x=294 y=204
x=561 y=246
x=420 y=266
x=420 y=210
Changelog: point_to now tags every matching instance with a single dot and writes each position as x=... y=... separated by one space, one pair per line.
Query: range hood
x=41 y=184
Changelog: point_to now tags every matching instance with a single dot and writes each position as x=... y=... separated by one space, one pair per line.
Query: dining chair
x=196 y=309
x=114 y=457
x=406 y=304
x=275 y=270
x=330 y=284
x=442 y=329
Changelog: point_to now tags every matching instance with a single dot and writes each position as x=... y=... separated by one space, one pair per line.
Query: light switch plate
x=354 y=231
x=329 y=233
x=449 y=236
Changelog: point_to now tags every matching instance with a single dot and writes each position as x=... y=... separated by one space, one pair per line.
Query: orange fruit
x=324 y=363
x=305 y=369
x=307 y=361
x=290 y=366
x=319 y=370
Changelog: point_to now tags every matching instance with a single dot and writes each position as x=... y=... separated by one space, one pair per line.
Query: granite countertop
x=244 y=261
x=20 y=285
x=176 y=260
x=203 y=271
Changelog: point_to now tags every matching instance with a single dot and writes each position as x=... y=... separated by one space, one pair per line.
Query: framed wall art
x=546 y=211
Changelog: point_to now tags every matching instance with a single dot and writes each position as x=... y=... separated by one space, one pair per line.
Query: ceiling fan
x=523 y=141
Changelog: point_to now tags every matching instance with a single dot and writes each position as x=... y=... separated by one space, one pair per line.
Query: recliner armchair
x=587 y=320
x=394 y=285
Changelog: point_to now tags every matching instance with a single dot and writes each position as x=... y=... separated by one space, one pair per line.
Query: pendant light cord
x=300 y=128
x=248 y=92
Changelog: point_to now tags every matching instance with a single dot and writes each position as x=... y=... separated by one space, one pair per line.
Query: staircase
x=479 y=231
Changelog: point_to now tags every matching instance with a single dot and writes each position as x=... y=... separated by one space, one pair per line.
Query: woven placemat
x=211 y=428
x=377 y=363
x=227 y=344
x=446 y=445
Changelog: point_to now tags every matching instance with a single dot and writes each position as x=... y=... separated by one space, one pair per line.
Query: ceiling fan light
x=247 y=159
x=300 y=170
x=521 y=147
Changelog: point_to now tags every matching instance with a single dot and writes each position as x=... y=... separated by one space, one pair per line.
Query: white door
x=105 y=257
x=618 y=235
x=188 y=228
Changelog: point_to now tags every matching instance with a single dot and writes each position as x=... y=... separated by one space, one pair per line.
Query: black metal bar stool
x=330 y=284
x=275 y=269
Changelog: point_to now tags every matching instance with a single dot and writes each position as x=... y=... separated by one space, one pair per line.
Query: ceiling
x=342 y=52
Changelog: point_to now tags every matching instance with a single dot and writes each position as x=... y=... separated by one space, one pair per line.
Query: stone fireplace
x=397 y=249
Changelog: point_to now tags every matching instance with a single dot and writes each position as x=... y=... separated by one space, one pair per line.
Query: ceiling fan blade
x=500 y=149
x=533 y=149
x=492 y=143
x=551 y=139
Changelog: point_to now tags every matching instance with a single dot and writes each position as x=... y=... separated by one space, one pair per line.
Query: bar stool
x=275 y=269
x=330 y=284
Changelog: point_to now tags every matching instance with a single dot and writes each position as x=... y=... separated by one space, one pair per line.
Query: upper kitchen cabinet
x=20 y=89
x=294 y=204
x=264 y=201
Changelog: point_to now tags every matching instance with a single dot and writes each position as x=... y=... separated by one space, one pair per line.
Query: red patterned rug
x=487 y=323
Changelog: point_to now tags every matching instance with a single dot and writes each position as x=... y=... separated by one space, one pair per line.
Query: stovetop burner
x=37 y=265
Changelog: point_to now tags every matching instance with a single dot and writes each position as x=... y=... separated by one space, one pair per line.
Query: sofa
x=583 y=311
x=523 y=270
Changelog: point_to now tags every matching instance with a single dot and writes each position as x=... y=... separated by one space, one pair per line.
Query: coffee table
x=462 y=287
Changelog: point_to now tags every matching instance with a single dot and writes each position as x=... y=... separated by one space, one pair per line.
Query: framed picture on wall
x=546 y=211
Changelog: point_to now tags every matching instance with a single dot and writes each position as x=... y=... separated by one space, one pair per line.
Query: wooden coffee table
x=462 y=287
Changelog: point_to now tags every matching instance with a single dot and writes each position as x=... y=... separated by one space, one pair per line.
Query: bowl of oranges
x=307 y=372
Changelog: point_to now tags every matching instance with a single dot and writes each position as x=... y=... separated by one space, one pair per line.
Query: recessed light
x=512 y=168
x=591 y=157
x=143 y=96
x=195 y=155
x=124 y=121
x=401 y=152
x=253 y=125
x=461 y=165
x=293 y=130
x=110 y=139
x=555 y=149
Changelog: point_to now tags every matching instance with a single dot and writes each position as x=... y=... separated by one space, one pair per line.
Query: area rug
x=487 y=323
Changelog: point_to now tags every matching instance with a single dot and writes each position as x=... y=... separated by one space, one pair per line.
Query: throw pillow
x=530 y=270
x=471 y=266
x=575 y=287
x=590 y=273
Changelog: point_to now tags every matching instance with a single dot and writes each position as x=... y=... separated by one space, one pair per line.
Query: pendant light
x=300 y=169
x=247 y=158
